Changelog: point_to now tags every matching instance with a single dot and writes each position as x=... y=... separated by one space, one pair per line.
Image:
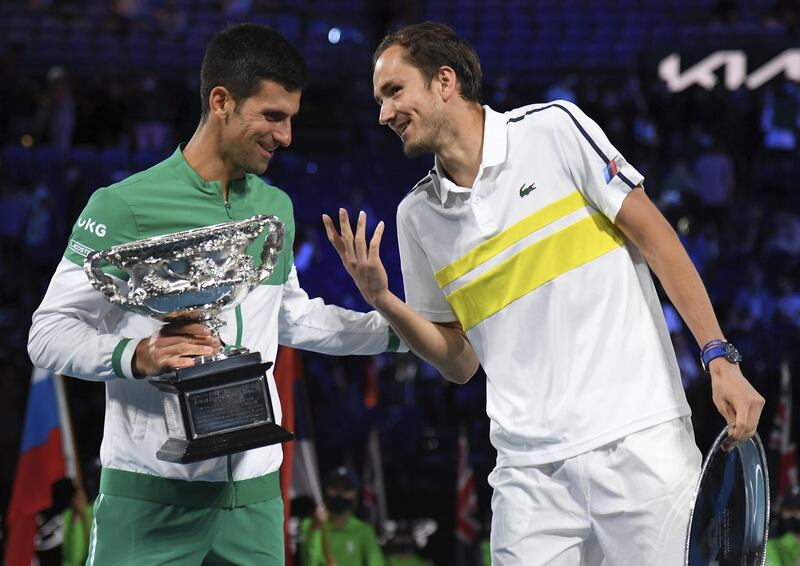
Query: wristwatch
x=719 y=349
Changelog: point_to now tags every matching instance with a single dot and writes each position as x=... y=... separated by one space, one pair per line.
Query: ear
x=220 y=101
x=448 y=82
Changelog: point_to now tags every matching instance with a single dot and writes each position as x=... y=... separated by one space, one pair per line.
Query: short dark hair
x=431 y=45
x=241 y=56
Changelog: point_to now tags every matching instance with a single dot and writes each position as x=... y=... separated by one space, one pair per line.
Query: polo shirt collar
x=493 y=153
x=182 y=169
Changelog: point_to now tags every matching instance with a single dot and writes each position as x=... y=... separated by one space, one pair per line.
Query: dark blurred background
x=93 y=91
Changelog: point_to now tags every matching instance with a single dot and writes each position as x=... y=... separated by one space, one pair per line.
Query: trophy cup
x=221 y=404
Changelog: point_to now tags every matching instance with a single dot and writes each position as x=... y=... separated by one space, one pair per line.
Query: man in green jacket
x=226 y=509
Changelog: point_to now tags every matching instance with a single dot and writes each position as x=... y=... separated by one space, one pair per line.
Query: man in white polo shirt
x=526 y=249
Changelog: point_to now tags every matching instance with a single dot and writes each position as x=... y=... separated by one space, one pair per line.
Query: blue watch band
x=713 y=352
x=719 y=349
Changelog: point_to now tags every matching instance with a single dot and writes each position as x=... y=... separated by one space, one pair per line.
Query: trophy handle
x=101 y=281
x=273 y=244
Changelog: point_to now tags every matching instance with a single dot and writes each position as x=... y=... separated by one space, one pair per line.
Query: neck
x=461 y=153
x=203 y=155
x=339 y=521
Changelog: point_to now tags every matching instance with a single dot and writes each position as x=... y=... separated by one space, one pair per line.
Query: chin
x=417 y=149
x=258 y=168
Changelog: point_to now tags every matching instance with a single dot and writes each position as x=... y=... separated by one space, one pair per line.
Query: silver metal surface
x=189 y=275
x=729 y=522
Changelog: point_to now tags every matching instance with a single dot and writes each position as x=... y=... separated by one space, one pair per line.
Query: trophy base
x=185 y=451
x=216 y=408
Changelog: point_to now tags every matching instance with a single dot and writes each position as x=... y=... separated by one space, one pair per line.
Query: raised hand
x=362 y=262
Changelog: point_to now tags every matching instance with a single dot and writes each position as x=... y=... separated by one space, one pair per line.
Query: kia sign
x=734 y=66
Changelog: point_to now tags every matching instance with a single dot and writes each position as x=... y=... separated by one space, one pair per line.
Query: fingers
x=333 y=235
x=361 y=239
x=375 y=243
x=185 y=328
x=742 y=416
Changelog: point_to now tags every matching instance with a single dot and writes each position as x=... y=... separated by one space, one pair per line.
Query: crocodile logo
x=524 y=191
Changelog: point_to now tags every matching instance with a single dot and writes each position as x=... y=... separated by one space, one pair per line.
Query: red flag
x=371 y=387
x=41 y=463
x=467 y=526
x=288 y=369
x=780 y=438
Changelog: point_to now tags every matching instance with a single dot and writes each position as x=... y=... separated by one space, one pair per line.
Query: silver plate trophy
x=730 y=515
x=222 y=404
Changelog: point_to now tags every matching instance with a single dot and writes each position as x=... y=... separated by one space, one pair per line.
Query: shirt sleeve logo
x=612 y=168
x=79 y=248
x=92 y=227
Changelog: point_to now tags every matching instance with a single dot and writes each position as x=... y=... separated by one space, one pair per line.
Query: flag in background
x=371 y=386
x=373 y=491
x=46 y=456
x=299 y=471
x=467 y=525
x=780 y=440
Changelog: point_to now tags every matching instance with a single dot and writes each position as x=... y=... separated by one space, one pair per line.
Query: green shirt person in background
x=784 y=549
x=77 y=521
x=333 y=537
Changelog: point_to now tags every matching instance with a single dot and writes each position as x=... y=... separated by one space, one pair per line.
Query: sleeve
x=67 y=332
x=106 y=221
x=311 y=549
x=419 y=283
x=372 y=551
x=310 y=324
x=597 y=168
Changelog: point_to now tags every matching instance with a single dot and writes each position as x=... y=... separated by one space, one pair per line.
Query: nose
x=387 y=113
x=283 y=133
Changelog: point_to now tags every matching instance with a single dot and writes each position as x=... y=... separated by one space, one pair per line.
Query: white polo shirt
x=559 y=307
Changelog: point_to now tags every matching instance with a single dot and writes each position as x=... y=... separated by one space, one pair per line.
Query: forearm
x=310 y=324
x=443 y=346
x=65 y=336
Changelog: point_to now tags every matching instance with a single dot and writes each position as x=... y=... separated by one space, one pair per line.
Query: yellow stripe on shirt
x=509 y=237
x=532 y=267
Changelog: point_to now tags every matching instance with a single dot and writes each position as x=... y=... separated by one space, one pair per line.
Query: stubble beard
x=430 y=141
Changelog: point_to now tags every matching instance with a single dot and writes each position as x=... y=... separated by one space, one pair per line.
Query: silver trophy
x=222 y=404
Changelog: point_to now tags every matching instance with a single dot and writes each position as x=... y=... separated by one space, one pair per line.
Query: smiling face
x=257 y=126
x=412 y=109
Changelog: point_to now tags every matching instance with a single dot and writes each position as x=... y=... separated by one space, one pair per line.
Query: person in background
x=783 y=548
x=333 y=536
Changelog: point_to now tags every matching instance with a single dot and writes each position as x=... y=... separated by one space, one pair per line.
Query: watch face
x=732 y=354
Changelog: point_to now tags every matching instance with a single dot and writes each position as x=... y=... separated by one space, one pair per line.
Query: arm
x=310 y=324
x=645 y=226
x=444 y=345
x=311 y=548
x=72 y=334
x=372 y=550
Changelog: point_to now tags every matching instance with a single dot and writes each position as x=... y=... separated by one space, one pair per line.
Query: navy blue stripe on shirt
x=581 y=130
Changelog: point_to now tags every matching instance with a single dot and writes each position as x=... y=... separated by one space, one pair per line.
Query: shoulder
x=361 y=527
x=560 y=113
x=264 y=195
